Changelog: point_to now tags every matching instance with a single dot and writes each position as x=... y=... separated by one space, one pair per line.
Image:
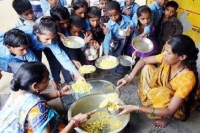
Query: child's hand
x=94 y=44
x=105 y=30
x=107 y=55
x=87 y=37
x=134 y=54
x=77 y=63
x=66 y=90
x=126 y=11
x=143 y=35
x=62 y=37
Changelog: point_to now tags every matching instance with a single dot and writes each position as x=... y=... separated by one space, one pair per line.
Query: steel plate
x=126 y=60
x=100 y=59
x=74 y=42
x=88 y=67
x=143 y=45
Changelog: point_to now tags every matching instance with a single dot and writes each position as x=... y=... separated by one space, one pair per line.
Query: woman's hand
x=124 y=81
x=126 y=109
x=62 y=37
x=77 y=63
x=66 y=90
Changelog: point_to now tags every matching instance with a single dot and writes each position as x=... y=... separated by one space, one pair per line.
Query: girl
x=144 y=19
x=28 y=109
x=102 y=6
x=169 y=91
x=45 y=35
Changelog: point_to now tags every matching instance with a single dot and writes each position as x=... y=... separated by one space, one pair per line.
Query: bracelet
x=152 y=111
x=138 y=109
x=127 y=76
x=76 y=122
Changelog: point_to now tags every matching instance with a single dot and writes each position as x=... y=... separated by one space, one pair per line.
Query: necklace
x=178 y=73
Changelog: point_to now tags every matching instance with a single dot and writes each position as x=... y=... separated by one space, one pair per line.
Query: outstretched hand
x=125 y=109
x=123 y=82
x=66 y=90
x=83 y=117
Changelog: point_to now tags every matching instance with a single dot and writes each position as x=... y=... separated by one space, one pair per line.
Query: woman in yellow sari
x=168 y=91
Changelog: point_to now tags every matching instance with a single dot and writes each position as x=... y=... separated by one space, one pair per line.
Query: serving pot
x=90 y=102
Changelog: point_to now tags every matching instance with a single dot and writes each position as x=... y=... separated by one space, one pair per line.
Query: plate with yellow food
x=74 y=42
x=106 y=62
x=85 y=69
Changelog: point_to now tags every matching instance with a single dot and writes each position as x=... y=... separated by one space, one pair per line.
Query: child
x=48 y=4
x=14 y=50
x=94 y=15
x=129 y=7
x=168 y=25
x=25 y=12
x=117 y=21
x=45 y=35
x=102 y=6
x=144 y=19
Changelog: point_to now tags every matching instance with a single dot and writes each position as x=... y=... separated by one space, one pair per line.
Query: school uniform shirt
x=6 y=57
x=60 y=55
x=22 y=22
x=156 y=12
x=113 y=27
x=133 y=7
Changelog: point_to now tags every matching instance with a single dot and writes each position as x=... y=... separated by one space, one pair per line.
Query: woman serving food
x=169 y=91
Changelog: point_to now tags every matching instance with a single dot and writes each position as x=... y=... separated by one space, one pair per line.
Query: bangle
x=138 y=109
x=152 y=111
x=76 y=122
x=127 y=76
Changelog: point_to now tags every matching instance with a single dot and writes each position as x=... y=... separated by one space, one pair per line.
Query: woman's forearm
x=69 y=128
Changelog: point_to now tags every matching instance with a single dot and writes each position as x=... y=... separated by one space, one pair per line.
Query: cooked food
x=86 y=69
x=112 y=96
x=81 y=86
x=112 y=106
x=108 y=63
x=72 y=43
x=103 y=104
x=101 y=122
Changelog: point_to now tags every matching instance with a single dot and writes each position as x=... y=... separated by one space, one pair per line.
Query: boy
x=168 y=25
x=14 y=50
x=102 y=6
x=94 y=15
x=117 y=21
x=25 y=12
x=129 y=7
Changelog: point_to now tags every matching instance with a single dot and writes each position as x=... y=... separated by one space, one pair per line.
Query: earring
x=36 y=90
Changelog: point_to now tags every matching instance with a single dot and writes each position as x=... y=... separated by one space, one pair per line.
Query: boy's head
x=113 y=11
x=162 y=3
x=24 y=9
x=61 y=15
x=17 y=42
x=94 y=15
x=80 y=7
x=75 y=25
x=129 y=2
x=52 y=3
x=170 y=9
x=103 y=3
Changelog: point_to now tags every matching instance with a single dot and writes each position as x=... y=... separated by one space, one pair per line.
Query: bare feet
x=161 y=123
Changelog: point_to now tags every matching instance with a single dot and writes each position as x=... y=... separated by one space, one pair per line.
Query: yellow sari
x=155 y=89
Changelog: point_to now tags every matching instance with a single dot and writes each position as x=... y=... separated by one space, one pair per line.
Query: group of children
x=97 y=25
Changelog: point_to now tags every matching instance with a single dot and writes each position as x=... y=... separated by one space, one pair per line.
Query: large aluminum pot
x=91 y=102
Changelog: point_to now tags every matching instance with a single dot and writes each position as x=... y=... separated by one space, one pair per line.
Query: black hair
x=143 y=9
x=20 y=6
x=27 y=74
x=113 y=5
x=94 y=12
x=75 y=21
x=76 y=4
x=46 y=23
x=16 y=38
x=173 y=4
x=59 y=13
x=184 y=45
